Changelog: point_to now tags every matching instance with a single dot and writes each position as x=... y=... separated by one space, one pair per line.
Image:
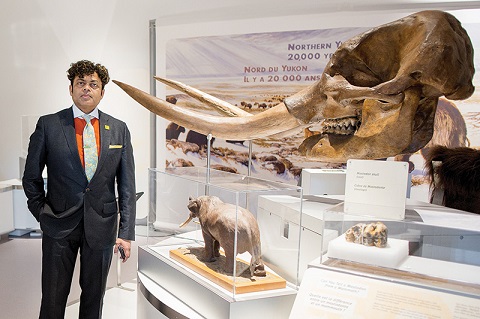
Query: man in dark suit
x=78 y=213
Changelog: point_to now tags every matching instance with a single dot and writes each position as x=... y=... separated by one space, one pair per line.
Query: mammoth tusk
x=270 y=122
x=294 y=131
x=221 y=106
x=186 y=222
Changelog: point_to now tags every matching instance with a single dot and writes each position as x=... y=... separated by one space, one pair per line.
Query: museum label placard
x=376 y=188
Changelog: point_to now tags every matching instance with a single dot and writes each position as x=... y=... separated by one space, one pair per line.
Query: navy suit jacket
x=69 y=196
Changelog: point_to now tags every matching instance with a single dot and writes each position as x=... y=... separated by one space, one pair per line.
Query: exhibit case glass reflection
x=198 y=212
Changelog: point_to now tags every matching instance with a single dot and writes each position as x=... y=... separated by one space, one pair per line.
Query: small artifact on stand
x=218 y=220
x=373 y=234
x=369 y=236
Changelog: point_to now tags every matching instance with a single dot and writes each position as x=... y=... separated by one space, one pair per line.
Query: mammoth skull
x=376 y=98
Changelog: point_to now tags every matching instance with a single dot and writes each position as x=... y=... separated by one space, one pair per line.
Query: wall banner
x=256 y=71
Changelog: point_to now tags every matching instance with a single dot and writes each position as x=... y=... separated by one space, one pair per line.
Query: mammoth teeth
x=373 y=234
x=343 y=126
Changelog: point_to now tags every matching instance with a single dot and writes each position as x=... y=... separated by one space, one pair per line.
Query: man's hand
x=126 y=244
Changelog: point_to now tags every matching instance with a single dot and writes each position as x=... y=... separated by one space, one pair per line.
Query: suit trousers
x=58 y=264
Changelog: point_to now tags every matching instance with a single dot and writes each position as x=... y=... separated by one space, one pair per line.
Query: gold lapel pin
x=107 y=127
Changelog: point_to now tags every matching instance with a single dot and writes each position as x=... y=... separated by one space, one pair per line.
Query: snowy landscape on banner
x=255 y=72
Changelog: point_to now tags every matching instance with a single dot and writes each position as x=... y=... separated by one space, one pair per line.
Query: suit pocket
x=110 y=208
x=48 y=210
x=114 y=155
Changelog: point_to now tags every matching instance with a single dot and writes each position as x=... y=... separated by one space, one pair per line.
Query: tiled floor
x=120 y=302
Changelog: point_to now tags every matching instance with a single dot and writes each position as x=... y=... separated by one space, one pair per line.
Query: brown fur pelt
x=458 y=176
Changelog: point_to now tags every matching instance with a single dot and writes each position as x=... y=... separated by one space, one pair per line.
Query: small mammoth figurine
x=217 y=220
x=373 y=234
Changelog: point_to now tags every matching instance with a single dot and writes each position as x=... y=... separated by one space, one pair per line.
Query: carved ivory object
x=376 y=98
x=218 y=220
x=373 y=234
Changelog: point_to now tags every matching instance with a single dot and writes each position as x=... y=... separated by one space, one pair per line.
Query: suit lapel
x=105 y=135
x=68 y=125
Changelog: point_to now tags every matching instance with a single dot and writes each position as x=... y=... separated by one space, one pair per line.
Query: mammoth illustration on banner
x=376 y=98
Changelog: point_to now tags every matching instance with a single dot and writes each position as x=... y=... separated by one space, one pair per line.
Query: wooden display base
x=191 y=258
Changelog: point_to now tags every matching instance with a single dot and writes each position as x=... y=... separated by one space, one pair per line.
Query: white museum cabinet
x=433 y=247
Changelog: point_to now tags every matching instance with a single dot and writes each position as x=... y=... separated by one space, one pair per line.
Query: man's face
x=87 y=92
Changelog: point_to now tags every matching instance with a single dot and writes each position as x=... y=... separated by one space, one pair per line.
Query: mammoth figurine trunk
x=219 y=221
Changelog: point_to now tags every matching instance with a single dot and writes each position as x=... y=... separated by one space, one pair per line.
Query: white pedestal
x=6 y=209
x=308 y=239
x=169 y=282
x=323 y=181
x=22 y=218
x=391 y=256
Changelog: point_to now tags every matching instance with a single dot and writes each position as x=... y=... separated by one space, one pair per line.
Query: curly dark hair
x=85 y=67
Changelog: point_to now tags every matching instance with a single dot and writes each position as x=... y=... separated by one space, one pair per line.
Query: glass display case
x=424 y=266
x=434 y=246
x=195 y=211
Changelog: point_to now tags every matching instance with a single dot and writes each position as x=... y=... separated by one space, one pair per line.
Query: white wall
x=40 y=38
